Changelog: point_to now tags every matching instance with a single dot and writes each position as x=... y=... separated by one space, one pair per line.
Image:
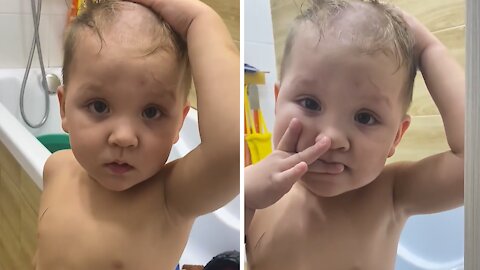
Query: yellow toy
x=258 y=141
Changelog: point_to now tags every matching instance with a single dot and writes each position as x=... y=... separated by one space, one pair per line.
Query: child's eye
x=98 y=107
x=365 y=118
x=151 y=113
x=310 y=104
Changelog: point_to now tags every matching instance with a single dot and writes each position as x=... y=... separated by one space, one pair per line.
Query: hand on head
x=177 y=13
x=423 y=37
x=270 y=179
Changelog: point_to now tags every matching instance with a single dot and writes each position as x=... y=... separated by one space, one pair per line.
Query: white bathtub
x=211 y=234
x=432 y=242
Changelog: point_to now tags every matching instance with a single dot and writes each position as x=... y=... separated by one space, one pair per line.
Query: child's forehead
x=337 y=44
x=130 y=25
x=320 y=62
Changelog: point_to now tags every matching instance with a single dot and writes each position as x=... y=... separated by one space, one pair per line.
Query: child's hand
x=423 y=37
x=268 y=180
x=178 y=13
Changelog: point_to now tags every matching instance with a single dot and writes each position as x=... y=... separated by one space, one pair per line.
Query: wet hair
x=100 y=17
x=381 y=28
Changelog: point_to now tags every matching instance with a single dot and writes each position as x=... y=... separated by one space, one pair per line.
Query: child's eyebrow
x=161 y=92
x=380 y=99
x=164 y=93
x=164 y=90
x=86 y=88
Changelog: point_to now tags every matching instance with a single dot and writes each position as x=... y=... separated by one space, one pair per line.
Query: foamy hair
x=100 y=17
x=381 y=28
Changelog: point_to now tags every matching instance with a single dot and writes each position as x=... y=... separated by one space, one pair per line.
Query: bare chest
x=82 y=232
x=286 y=238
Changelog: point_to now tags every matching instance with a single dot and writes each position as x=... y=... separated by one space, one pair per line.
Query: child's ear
x=401 y=130
x=186 y=109
x=61 y=100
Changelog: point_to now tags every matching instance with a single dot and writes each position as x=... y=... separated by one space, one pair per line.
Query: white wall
x=16 y=32
x=260 y=51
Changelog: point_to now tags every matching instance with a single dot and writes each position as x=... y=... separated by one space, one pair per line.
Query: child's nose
x=339 y=139
x=123 y=136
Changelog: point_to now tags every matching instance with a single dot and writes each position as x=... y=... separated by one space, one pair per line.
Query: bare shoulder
x=57 y=162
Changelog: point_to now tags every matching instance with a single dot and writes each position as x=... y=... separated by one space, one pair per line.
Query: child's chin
x=323 y=188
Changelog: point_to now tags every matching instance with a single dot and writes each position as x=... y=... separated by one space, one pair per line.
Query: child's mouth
x=320 y=166
x=118 y=167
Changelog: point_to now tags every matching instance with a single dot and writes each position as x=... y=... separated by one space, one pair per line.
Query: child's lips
x=119 y=167
x=326 y=167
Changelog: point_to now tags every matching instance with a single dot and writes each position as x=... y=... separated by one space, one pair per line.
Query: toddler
x=111 y=202
x=324 y=198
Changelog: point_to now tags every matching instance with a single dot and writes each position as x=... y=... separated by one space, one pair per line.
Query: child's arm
x=209 y=176
x=271 y=178
x=436 y=183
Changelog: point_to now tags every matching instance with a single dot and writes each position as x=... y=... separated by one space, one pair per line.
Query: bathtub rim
x=15 y=138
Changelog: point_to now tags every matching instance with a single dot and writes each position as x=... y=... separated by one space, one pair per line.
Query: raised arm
x=436 y=183
x=209 y=176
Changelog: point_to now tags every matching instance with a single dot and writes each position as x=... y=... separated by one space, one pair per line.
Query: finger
x=287 y=178
x=289 y=140
x=310 y=154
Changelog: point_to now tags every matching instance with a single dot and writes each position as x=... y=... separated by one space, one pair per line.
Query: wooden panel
x=28 y=234
x=10 y=221
x=10 y=206
x=9 y=165
x=19 y=201
x=30 y=192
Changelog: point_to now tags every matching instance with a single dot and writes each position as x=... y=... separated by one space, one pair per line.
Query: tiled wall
x=16 y=32
x=260 y=51
x=16 y=29
x=19 y=201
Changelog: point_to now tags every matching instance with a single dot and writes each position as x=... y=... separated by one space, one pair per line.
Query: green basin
x=55 y=142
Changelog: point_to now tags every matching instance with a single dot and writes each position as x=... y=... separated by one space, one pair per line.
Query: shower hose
x=36 y=11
